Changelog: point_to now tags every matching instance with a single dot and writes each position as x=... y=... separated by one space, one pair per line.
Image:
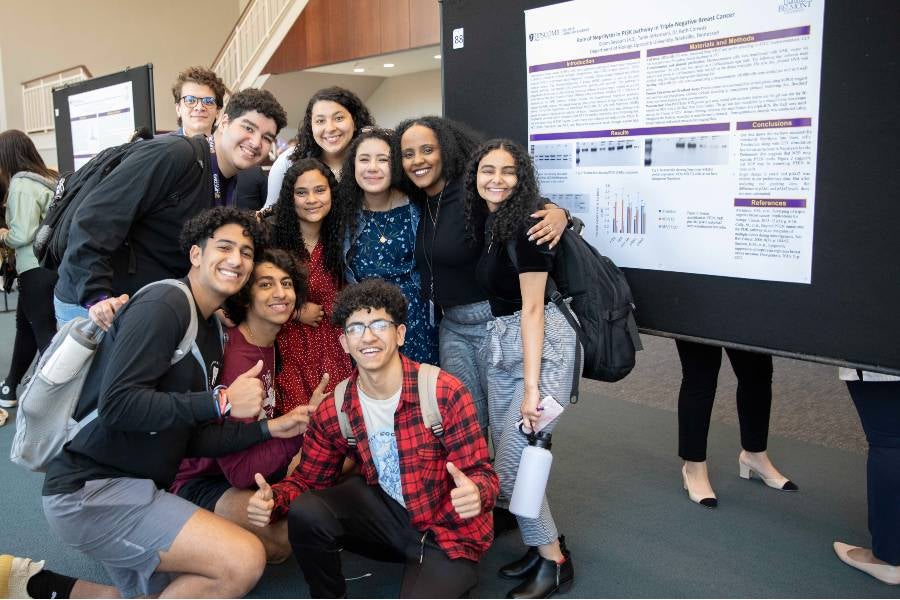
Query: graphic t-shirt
x=379 y=418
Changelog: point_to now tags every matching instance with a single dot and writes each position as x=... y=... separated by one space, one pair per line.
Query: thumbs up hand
x=465 y=496
x=246 y=393
x=318 y=394
x=260 y=505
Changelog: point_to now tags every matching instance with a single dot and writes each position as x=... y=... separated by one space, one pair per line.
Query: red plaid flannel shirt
x=423 y=457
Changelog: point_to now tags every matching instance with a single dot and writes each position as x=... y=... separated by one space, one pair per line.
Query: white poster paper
x=684 y=134
x=99 y=119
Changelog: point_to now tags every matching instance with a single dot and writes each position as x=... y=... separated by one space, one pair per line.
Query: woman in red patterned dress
x=304 y=224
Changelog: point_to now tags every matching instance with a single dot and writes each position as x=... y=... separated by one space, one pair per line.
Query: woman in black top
x=530 y=346
x=432 y=152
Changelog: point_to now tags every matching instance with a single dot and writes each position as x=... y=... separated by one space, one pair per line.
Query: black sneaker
x=7 y=395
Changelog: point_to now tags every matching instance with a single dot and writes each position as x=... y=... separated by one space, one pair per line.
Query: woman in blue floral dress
x=380 y=235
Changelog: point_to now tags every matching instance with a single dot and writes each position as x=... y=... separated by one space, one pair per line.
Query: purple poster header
x=773 y=123
x=584 y=62
x=770 y=202
x=627 y=131
x=730 y=41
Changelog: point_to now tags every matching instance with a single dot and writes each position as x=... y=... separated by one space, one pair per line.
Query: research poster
x=684 y=134
x=99 y=119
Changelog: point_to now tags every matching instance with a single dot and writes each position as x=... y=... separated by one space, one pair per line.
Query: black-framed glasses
x=378 y=326
x=191 y=101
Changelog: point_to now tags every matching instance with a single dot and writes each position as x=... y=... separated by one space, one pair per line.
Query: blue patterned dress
x=394 y=260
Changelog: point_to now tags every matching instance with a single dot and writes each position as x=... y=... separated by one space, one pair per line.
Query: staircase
x=255 y=38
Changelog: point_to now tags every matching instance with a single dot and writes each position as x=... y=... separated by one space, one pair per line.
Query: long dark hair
x=286 y=234
x=456 y=142
x=18 y=153
x=350 y=195
x=307 y=146
x=516 y=211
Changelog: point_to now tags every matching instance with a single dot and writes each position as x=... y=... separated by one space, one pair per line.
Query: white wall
x=405 y=96
x=44 y=36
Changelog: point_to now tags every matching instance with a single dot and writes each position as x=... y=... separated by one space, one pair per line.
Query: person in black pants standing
x=31 y=186
x=700 y=372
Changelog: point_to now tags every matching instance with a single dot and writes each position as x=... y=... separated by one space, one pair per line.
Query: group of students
x=424 y=240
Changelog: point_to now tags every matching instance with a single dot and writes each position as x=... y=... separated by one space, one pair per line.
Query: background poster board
x=848 y=312
x=101 y=112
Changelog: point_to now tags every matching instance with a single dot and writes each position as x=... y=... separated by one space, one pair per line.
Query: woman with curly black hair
x=380 y=234
x=334 y=117
x=305 y=225
x=432 y=153
x=530 y=347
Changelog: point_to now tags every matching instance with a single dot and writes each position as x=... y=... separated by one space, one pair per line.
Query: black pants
x=878 y=405
x=699 y=375
x=35 y=320
x=365 y=520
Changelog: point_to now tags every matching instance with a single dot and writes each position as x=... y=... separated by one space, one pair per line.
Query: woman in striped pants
x=530 y=348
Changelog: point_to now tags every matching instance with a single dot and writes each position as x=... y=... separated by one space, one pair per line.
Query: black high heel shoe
x=547 y=577
x=522 y=567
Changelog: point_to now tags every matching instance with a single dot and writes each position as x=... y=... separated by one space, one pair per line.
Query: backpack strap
x=340 y=392
x=428 y=405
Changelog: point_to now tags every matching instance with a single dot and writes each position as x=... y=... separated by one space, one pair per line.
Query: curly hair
x=262 y=101
x=18 y=153
x=456 y=141
x=370 y=295
x=203 y=226
x=516 y=211
x=236 y=306
x=285 y=228
x=349 y=198
x=200 y=76
x=307 y=146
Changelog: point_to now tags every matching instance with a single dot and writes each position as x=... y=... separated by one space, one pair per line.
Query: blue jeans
x=461 y=337
x=65 y=312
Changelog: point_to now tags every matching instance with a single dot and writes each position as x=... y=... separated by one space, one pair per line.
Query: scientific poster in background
x=684 y=135
x=99 y=119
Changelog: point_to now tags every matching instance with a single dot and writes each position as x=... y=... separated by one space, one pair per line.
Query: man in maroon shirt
x=420 y=498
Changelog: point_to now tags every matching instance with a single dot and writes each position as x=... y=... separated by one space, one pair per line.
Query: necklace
x=381 y=237
x=266 y=376
x=434 y=221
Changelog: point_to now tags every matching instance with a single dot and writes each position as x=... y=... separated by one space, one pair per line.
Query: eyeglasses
x=357 y=330
x=191 y=101
x=373 y=129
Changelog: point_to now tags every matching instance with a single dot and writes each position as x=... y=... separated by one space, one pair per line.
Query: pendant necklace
x=381 y=237
x=267 y=385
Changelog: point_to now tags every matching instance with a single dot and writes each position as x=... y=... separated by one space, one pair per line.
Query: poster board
x=838 y=303
x=101 y=112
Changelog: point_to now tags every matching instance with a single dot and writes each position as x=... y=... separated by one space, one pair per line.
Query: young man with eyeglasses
x=199 y=95
x=421 y=498
x=125 y=231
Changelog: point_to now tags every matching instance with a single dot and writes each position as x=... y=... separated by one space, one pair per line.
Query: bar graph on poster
x=684 y=135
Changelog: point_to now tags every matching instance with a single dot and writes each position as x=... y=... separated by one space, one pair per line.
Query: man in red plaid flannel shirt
x=421 y=499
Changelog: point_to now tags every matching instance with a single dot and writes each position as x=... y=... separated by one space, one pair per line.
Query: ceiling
x=406 y=62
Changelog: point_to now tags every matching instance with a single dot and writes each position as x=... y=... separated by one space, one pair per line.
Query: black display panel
x=101 y=112
x=848 y=315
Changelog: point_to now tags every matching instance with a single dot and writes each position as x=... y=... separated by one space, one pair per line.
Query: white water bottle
x=531 y=478
x=69 y=358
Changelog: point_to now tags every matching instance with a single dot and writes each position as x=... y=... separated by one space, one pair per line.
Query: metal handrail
x=37 y=97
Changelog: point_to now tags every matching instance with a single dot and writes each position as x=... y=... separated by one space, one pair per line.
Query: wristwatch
x=220 y=398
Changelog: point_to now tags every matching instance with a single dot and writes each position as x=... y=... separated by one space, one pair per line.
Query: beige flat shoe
x=881 y=571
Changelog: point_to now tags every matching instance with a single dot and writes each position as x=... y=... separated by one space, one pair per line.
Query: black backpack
x=602 y=301
x=52 y=236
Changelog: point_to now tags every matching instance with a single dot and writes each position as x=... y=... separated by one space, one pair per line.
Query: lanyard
x=216 y=179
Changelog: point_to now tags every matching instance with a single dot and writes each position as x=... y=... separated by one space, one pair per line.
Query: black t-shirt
x=443 y=247
x=151 y=413
x=496 y=273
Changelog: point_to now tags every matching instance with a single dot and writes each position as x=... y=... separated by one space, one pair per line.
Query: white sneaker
x=14 y=575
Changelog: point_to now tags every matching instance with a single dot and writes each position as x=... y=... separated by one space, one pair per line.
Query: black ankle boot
x=546 y=579
x=522 y=567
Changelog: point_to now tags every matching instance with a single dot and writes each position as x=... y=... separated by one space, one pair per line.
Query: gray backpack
x=45 y=419
x=431 y=413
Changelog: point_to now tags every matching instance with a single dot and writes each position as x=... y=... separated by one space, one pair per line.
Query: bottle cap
x=541 y=439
